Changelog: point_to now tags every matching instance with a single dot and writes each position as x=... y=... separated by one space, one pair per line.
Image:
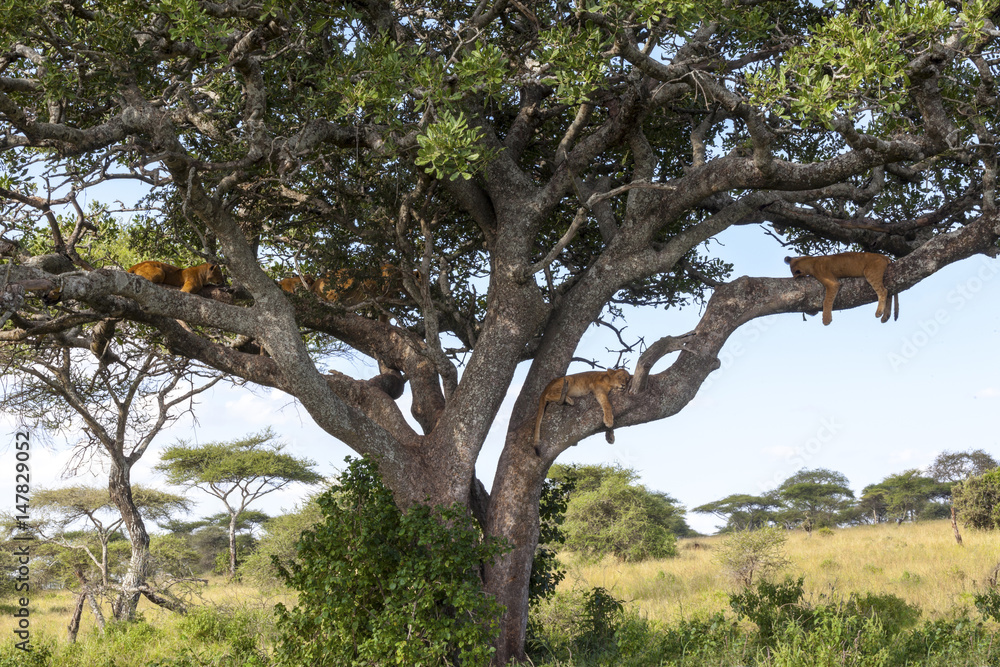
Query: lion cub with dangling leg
x=827 y=269
x=598 y=383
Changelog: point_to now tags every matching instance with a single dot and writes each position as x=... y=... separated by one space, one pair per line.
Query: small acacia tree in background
x=379 y=587
x=949 y=468
x=237 y=473
x=82 y=530
x=815 y=498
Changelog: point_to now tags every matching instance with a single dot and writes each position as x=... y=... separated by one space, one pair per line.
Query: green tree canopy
x=909 y=493
x=61 y=511
x=608 y=513
x=959 y=466
x=977 y=500
x=742 y=511
x=493 y=178
x=815 y=498
x=237 y=473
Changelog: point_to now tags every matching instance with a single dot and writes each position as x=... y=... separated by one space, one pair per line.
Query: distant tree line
x=821 y=498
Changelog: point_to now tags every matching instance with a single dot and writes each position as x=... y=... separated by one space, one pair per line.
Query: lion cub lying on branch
x=350 y=287
x=565 y=389
x=827 y=269
x=189 y=280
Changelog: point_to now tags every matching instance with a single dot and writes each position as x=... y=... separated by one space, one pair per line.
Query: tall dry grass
x=50 y=615
x=920 y=563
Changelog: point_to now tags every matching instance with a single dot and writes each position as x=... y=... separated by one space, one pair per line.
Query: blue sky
x=860 y=397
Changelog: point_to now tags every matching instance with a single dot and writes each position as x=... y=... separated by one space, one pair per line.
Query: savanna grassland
x=918 y=562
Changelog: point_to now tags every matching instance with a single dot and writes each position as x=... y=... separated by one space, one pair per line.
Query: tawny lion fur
x=565 y=389
x=828 y=268
x=350 y=288
x=294 y=283
x=189 y=280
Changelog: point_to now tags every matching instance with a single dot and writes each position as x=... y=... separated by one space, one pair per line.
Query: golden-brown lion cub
x=294 y=283
x=827 y=269
x=565 y=389
x=350 y=287
x=189 y=280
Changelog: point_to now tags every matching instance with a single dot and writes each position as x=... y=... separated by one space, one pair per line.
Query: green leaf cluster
x=377 y=586
x=450 y=148
x=857 y=60
x=576 y=66
x=189 y=22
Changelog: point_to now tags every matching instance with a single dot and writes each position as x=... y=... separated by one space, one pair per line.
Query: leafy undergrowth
x=869 y=597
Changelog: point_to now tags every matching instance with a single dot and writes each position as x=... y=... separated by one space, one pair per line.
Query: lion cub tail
x=892 y=304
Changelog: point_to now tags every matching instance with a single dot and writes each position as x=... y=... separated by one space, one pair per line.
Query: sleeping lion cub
x=189 y=280
x=565 y=389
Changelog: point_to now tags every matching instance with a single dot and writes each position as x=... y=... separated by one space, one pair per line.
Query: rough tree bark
x=575 y=201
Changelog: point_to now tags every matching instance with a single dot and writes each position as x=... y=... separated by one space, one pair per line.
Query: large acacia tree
x=526 y=169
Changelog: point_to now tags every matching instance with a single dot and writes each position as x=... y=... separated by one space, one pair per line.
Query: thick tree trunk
x=513 y=514
x=120 y=488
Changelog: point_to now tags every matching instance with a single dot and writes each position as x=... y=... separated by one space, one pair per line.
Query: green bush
x=977 y=500
x=830 y=639
x=280 y=536
x=750 y=555
x=770 y=605
x=602 y=614
x=712 y=639
x=377 y=586
x=988 y=603
x=894 y=613
x=609 y=514
x=581 y=626
x=240 y=631
x=40 y=654
x=946 y=642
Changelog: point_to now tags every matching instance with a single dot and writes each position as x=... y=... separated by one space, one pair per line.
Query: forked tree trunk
x=87 y=594
x=120 y=488
x=74 y=621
